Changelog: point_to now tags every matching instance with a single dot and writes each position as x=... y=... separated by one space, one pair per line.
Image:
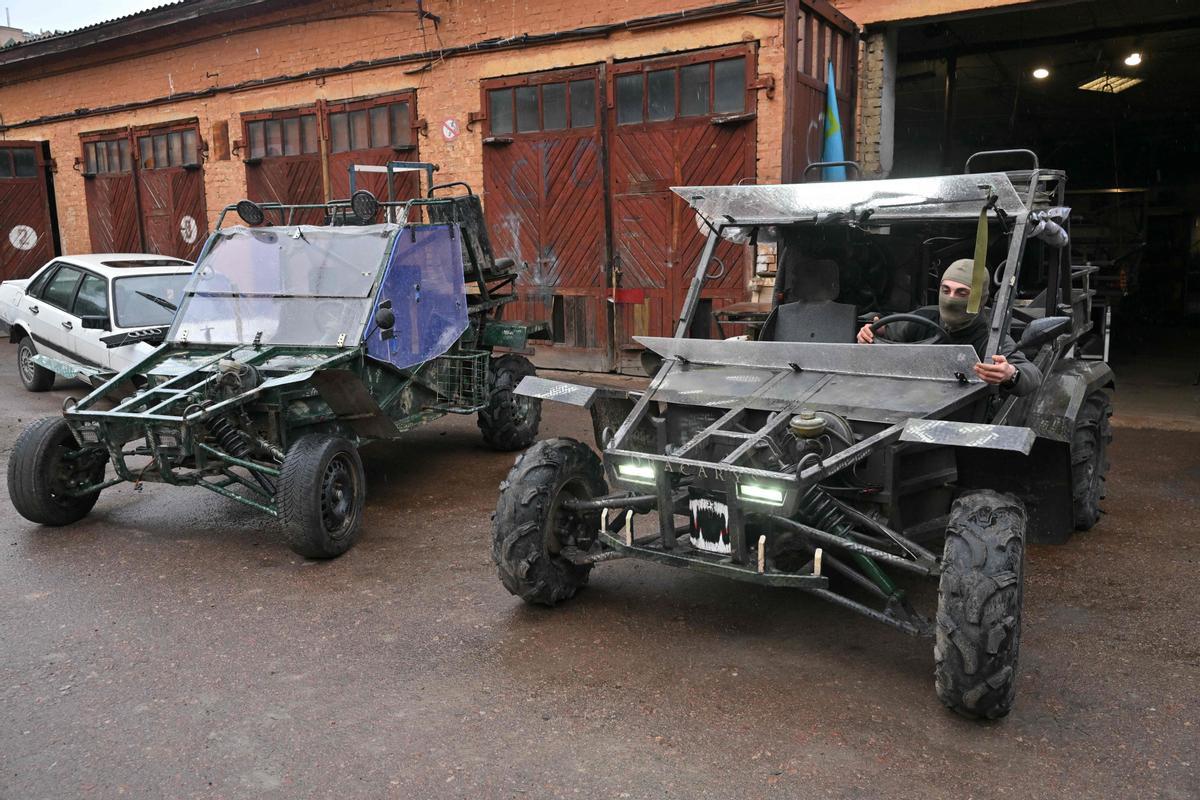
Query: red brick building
x=573 y=119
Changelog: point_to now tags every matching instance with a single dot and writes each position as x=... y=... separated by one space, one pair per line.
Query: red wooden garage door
x=282 y=153
x=170 y=180
x=26 y=226
x=676 y=121
x=112 y=199
x=543 y=186
x=372 y=131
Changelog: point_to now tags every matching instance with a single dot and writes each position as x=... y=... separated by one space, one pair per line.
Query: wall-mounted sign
x=23 y=237
x=450 y=130
x=188 y=229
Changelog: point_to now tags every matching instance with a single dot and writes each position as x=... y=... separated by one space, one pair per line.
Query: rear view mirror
x=96 y=323
x=1043 y=330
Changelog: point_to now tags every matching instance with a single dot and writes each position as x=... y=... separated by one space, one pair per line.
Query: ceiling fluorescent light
x=1110 y=84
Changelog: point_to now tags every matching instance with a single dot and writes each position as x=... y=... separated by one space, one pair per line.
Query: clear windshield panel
x=144 y=301
x=311 y=321
x=299 y=261
x=424 y=281
x=946 y=197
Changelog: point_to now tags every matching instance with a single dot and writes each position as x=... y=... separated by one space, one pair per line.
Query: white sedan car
x=90 y=316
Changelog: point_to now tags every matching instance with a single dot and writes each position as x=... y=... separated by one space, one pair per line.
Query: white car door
x=90 y=301
x=50 y=321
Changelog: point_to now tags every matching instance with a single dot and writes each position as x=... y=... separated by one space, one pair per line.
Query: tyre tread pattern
x=525 y=567
x=502 y=427
x=1089 y=459
x=297 y=496
x=29 y=482
x=979 y=605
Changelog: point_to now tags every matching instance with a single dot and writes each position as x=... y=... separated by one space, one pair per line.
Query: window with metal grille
x=542 y=107
x=383 y=125
x=168 y=149
x=689 y=90
x=294 y=135
x=107 y=157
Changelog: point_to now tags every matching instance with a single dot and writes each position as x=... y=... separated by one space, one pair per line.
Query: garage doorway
x=282 y=153
x=578 y=166
x=27 y=224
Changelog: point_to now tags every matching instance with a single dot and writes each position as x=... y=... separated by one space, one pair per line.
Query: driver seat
x=815 y=316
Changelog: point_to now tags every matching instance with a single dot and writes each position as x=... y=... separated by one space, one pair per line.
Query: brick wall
x=241 y=70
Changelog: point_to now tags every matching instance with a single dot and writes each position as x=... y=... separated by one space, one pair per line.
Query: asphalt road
x=171 y=646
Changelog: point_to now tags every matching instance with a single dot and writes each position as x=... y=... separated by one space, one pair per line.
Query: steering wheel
x=940 y=334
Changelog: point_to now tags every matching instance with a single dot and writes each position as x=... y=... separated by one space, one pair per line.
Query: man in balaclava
x=1009 y=370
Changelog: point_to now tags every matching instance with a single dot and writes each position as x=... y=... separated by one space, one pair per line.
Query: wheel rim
x=339 y=496
x=65 y=473
x=564 y=527
x=25 y=364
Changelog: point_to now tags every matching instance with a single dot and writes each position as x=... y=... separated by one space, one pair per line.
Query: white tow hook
x=817 y=562
x=762 y=550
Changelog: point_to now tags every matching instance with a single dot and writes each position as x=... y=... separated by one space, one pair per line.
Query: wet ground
x=171 y=646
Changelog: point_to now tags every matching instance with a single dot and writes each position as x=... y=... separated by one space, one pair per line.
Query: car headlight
x=758 y=493
x=637 y=473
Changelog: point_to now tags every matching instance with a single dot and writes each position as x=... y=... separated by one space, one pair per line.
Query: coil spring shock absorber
x=229 y=437
x=817 y=509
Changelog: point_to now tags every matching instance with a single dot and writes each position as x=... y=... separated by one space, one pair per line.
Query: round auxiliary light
x=364 y=205
x=250 y=212
x=1133 y=59
x=1041 y=73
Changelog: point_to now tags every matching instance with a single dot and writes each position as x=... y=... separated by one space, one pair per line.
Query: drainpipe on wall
x=887 y=103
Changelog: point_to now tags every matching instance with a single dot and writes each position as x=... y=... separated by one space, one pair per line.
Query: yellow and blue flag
x=832 y=150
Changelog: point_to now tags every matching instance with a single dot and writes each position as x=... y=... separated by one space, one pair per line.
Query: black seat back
x=468 y=211
x=820 y=321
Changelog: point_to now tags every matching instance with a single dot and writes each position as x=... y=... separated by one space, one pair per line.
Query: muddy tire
x=44 y=463
x=979 y=605
x=33 y=377
x=1089 y=458
x=321 y=494
x=509 y=422
x=530 y=527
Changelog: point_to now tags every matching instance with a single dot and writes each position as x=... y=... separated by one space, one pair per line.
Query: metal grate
x=461 y=380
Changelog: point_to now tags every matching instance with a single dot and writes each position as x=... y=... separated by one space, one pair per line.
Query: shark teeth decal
x=710 y=525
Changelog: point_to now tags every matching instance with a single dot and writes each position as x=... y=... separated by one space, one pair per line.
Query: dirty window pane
x=379 y=127
x=291 y=136
x=274 y=138
x=662 y=95
x=308 y=133
x=123 y=149
x=92 y=300
x=24 y=162
x=89 y=161
x=527 y=108
x=629 y=99
x=500 y=113
x=161 y=157
x=729 y=90
x=401 y=125
x=175 y=140
x=254 y=132
x=693 y=90
x=114 y=158
x=360 y=132
x=554 y=106
x=583 y=103
x=101 y=157
x=6 y=164
x=61 y=289
x=339 y=132
x=145 y=153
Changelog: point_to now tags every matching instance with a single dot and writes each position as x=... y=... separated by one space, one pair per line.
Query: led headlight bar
x=637 y=473
x=757 y=493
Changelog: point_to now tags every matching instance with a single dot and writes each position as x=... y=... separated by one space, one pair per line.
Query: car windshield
x=143 y=301
x=287 y=285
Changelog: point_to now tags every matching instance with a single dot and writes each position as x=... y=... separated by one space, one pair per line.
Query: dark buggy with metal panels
x=801 y=459
x=293 y=345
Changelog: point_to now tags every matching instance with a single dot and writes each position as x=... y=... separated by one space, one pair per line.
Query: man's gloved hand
x=999 y=372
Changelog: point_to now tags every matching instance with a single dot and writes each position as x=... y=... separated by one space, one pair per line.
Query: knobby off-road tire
x=33 y=377
x=321 y=494
x=979 y=605
x=38 y=469
x=510 y=422
x=530 y=526
x=1089 y=458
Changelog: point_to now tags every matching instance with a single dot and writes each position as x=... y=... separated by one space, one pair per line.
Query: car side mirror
x=1043 y=330
x=96 y=323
